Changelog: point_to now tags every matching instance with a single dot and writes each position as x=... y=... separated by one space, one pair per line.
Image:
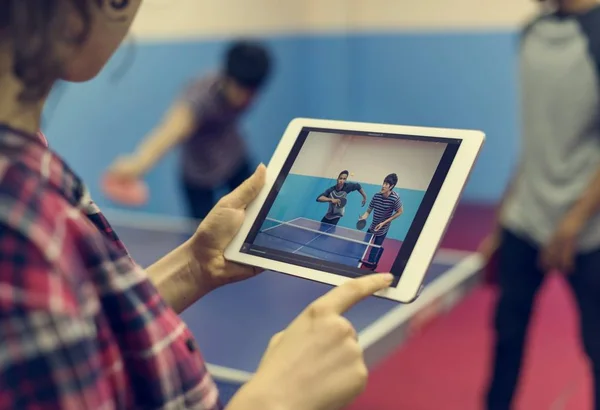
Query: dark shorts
x=519 y=280
x=330 y=221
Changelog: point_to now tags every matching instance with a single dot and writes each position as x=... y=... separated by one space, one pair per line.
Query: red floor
x=392 y=247
x=445 y=366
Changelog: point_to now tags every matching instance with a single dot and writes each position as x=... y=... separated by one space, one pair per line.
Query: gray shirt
x=334 y=211
x=215 y=150
x=559 y=68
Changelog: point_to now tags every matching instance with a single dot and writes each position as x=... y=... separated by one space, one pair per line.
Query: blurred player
x=204 y=120
x=548 y=219
x=334 y=194
x=386 y=206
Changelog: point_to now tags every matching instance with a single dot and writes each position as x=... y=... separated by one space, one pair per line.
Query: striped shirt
x=383 y=208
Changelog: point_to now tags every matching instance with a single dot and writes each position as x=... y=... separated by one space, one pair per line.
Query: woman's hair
x=36 y=29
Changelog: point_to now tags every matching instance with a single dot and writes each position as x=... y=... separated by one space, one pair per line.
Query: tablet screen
x=351 y=203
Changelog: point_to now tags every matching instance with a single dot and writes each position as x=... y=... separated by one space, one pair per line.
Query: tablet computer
x=345 y=199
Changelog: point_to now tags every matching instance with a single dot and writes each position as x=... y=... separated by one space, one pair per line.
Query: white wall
x=169 y=19
x=370 y=159
x=315 y=155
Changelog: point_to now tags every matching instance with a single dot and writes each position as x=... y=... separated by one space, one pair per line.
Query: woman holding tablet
x=82 y=325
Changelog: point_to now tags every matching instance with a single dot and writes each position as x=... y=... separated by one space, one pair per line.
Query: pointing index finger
x=343 y=297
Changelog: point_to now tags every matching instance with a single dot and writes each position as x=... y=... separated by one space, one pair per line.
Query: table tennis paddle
x=361 y=223
x=125 y=191
x=343 y=202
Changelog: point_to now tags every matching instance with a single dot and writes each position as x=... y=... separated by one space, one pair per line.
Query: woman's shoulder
x=41 y=198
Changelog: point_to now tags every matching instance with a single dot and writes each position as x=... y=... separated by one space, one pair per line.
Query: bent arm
x=324 y=197
x=396 y=214
x=363 y=194
x=588 y=203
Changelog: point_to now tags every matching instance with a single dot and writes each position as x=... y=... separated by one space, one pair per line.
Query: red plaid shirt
x=81 y=326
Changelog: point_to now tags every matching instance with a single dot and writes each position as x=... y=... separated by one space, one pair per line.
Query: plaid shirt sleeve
x=81 y=325
x=48 y=351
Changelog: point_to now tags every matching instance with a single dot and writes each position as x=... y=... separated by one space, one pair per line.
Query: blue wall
x=297 y=199
x=443 y=79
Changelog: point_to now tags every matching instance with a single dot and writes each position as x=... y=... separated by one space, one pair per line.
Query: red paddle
x=125 y=191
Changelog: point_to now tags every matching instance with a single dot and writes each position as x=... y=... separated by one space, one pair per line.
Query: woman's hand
x=317 y=362
x=218 y=229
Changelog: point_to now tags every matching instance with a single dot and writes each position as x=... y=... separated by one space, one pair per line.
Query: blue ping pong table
x=308 y=237
x=234 y=324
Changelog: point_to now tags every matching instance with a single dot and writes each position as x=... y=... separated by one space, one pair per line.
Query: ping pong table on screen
x=315 y=239
x=234 y=324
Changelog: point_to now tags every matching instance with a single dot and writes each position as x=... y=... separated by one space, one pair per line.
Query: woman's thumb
x=248 y=190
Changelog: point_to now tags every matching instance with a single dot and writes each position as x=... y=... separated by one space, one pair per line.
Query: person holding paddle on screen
x=386 y=206
x=336 y=196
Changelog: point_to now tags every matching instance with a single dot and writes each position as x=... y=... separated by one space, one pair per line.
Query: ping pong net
x=313 y=238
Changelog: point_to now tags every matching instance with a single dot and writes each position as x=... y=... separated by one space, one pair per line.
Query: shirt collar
x=33 y=152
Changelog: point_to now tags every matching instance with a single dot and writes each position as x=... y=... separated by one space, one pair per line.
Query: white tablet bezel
x=407 y=288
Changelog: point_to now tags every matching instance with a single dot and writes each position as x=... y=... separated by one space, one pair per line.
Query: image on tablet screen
x=351 y=203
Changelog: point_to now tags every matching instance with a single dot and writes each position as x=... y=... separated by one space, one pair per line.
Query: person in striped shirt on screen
x=386 y=206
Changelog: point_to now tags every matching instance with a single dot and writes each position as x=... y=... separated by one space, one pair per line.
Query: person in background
x=386 y=206
x=548 y=219
x=204 y=122
x=334 y=194
x=82 y=325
